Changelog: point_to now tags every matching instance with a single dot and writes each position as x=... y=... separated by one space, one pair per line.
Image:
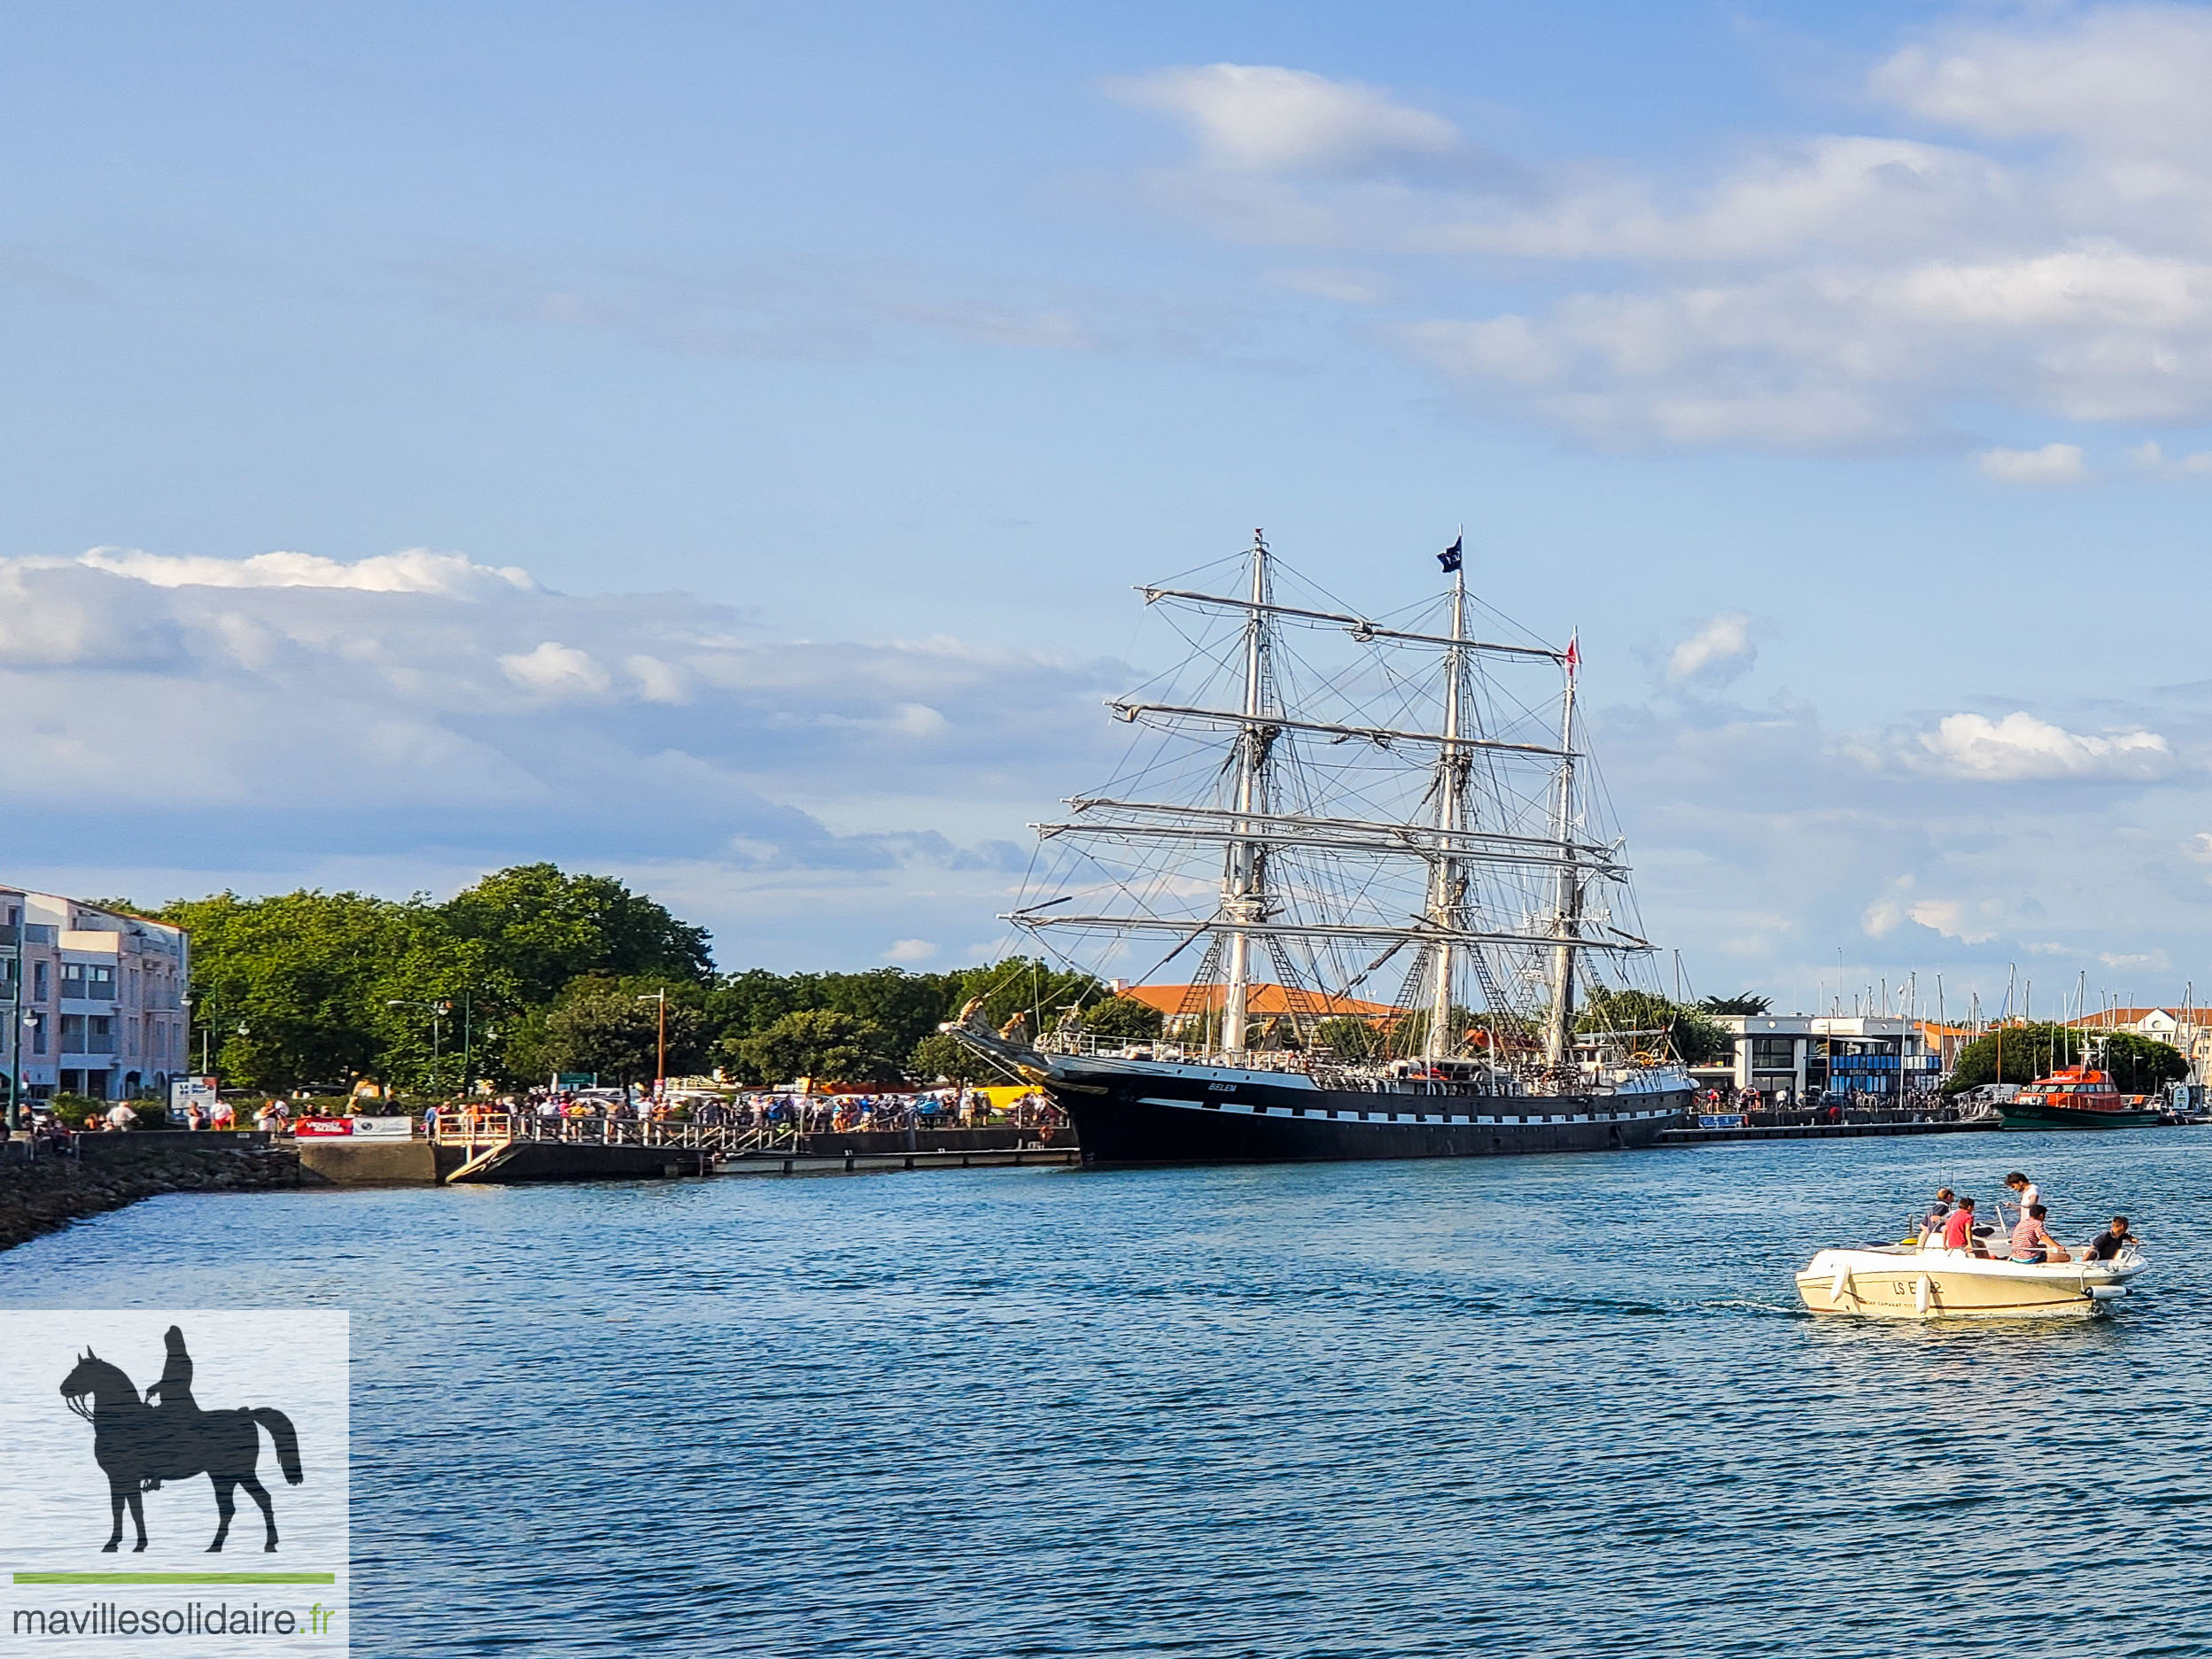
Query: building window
x=72 y=1031
x=99 y=1034
x=39 y=986
x=84 y=979
x=38 y=1030
x=1773 y=1054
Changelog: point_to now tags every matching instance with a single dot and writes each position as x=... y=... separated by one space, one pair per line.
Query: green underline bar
x=176 y=1577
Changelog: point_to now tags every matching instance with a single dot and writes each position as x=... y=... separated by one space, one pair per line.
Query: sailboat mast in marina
x=1386 y=805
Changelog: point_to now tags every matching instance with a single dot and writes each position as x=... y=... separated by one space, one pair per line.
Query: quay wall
x=832 y=1143
x=39 y=1193
x=374 y=1163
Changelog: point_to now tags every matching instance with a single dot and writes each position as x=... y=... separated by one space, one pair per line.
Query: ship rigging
x=1406 y=808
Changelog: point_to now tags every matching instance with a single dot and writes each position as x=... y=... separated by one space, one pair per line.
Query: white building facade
x=92 y=1001
x=1788 y=1057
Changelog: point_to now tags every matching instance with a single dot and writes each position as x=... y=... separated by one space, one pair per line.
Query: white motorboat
x=1907 y=1282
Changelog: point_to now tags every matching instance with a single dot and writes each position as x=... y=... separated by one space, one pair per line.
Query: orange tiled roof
x=2136 y=1016
x=1264 y=1001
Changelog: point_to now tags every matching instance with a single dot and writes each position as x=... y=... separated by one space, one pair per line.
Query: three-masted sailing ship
x=1318 y=803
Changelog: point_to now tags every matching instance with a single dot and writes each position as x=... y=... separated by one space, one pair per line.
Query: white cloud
x=555 y=670
x=2053 y=463
x=1950 y=918
x=2126 y=79
x=1264 y=119
x=1719 y=649
x=417 y=570
x=193 y=718
x=906 y=951
x=1820 y=291
x=2020 y=747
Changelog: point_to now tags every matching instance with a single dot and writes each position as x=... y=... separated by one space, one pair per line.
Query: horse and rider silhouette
x=138 y=1445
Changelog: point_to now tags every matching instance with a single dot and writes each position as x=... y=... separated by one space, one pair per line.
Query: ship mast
x=1567 y=887
x=1243 y=898
x=1451 y=775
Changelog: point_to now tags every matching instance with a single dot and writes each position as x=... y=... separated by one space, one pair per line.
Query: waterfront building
x=91 y=1000
x=2180 y=1025
x=1791 y=1056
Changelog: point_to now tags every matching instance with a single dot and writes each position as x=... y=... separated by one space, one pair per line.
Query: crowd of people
x=805 y=1114
x=1951 y=1224
x=779 y=1113
x=1819 y=1106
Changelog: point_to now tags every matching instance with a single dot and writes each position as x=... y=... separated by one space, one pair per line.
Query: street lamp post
x=14 y=985
x=660 y=1046
x=439 y=1010
x=468 y=1049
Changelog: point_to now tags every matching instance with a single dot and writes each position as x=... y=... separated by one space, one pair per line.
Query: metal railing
x=480 y=1131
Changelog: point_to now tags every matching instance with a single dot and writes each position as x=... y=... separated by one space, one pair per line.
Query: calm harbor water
x=1523 y=1405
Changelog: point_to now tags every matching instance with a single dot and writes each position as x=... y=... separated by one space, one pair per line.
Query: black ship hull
x=1134 y=1114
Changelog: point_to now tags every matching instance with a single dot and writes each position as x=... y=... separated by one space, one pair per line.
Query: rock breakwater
x=40 y=1194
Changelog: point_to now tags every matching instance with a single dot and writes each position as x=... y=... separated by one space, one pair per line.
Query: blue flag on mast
x=1449 y=557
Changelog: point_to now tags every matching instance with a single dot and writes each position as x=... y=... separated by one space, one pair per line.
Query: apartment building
x=91 y=1000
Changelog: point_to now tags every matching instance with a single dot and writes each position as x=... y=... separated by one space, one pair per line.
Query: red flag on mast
x=1574 y=651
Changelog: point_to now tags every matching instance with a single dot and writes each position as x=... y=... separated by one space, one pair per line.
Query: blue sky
x=824 y=377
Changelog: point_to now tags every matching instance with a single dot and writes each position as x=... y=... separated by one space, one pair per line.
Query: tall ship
x=1372 y=845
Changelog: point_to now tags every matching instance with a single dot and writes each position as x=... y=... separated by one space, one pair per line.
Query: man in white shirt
x=120 y=1116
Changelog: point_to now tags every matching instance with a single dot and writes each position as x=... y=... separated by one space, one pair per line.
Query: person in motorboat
x=2026 y=1193
x=1959 y=1229
x=2033 y=1243
x=1938 y=1212
x=2108 y=1243
x=1932 y=1225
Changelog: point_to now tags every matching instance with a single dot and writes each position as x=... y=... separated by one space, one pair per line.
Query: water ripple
x=1535 y=1406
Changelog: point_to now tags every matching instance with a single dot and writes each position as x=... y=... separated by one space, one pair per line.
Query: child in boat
x=1959 y=1229
x=2033 y=1243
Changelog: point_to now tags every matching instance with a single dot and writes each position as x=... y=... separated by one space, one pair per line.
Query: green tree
x=2139 y=1065
x=1122 y=1017
x=1351 y=1038
x=604 y=1026
x=1745 y=1003
x=546 y=927
x=1022 y=985
x=819 y=1043
x=291 y=985
x=1694 y=1036
x=938 y=1056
